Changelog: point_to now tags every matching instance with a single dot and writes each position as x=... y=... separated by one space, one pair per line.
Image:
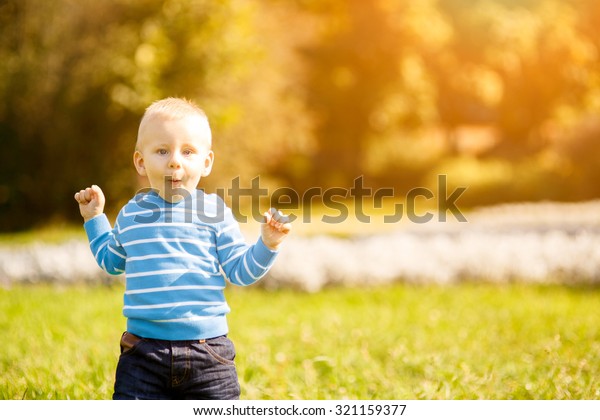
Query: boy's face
x=174 y=154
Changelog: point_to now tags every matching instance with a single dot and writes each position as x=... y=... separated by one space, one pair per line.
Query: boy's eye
x=188 y=152
x=162 y=151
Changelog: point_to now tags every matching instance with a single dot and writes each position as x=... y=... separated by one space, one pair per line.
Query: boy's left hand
x=275 y=228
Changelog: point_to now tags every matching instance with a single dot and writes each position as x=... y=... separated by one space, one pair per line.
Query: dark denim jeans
x=171 y=370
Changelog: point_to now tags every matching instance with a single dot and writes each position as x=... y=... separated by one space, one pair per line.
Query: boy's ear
x=208 y=163
x=138 y=161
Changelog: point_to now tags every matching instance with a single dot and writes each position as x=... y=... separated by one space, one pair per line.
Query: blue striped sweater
x=176 y=257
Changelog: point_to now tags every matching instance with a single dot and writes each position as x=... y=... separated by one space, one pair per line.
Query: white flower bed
x=540 y=243
x=70 y=262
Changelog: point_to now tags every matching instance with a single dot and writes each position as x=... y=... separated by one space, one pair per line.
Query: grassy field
x=397 y=342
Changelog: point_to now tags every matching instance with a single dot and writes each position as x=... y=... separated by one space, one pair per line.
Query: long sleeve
x=243 y=265
x=109 y=254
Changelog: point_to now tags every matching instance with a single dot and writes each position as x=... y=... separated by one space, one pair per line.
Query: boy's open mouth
x=173 y=182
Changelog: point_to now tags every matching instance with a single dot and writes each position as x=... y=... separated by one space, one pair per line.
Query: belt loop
x=128 y=341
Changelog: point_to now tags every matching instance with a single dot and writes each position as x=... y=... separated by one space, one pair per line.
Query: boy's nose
x=175 y=161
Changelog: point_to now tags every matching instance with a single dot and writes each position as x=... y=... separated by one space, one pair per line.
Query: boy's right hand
x=91 y=202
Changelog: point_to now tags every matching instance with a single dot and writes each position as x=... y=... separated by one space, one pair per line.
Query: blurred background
x=503 y=96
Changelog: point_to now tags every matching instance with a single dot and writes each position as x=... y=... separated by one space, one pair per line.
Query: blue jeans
x=151 y=369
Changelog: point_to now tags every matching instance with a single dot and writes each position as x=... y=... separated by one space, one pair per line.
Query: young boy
x=176 y=245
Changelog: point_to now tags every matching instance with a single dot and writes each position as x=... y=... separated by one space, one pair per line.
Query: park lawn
x=470 y=341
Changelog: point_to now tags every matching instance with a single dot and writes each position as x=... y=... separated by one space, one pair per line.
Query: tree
x=77 y=75
x=352 y=67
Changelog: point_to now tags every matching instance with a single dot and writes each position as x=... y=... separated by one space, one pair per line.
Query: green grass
x=397 y=342
x=51 y=234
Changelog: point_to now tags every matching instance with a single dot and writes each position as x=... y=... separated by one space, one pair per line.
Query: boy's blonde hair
x=171 y=108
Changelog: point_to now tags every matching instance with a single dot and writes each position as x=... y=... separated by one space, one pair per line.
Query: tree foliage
x=501 y=95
